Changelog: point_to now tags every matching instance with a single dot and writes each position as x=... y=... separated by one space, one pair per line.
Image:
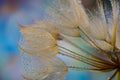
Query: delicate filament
x=111 y=77
x=84 y=59
x=102 y=51
x=89 y=54
x=114 y=37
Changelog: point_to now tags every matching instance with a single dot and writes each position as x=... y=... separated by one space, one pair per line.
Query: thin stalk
x=118 y=75
x=114 y=74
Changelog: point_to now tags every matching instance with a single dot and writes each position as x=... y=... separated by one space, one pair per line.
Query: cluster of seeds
x=67 y=20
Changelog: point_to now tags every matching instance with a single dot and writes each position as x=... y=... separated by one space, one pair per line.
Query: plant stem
x=118 y=75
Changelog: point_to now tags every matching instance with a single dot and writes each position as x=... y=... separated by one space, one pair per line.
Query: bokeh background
x=27 y=14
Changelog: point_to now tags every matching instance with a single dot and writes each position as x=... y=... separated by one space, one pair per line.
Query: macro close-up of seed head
x=60 y=40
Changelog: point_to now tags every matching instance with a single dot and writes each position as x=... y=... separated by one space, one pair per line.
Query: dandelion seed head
x=69 y=19
x=102 y=36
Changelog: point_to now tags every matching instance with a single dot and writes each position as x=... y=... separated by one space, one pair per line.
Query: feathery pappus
x=98 y=38
x=39 y=60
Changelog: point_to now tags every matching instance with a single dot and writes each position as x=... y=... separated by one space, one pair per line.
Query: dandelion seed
x=39 y=59
x=64 y=18
x=38 y=42
x=99 y=34
x=69 y=20
x=34 y=67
